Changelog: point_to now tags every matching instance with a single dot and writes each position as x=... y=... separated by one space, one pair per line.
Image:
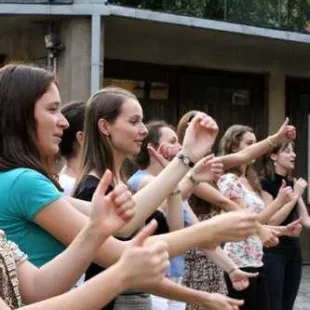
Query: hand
x=164 y=153
x=268 y=236
x=233 y=226
x=144 y=265
x=111 y=212
x=299 y=186
x=199 y=136
x=293 y=229
x=207 y=169
x=215 y=301
x=240 y=279
x=285 y=194
x=168 y=150
x=285 y=133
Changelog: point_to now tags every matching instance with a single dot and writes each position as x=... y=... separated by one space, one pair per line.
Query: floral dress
x=249 y=252
x=201 y=273
x=10 y=258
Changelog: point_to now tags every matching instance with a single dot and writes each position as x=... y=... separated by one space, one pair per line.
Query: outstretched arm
x=126 y=273
x=258 y=149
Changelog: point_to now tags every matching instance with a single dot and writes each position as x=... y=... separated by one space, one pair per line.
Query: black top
x=272 y=187
x=85 y=191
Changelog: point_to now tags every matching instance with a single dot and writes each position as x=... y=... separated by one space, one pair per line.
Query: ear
x=273 y=157
x=80 y=137
x=104 y=127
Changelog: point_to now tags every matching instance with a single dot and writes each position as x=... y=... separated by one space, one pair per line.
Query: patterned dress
x=248 y=252
x=10 y=258
x=201 y=273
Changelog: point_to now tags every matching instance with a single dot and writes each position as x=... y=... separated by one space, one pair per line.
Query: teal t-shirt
x=23 y=194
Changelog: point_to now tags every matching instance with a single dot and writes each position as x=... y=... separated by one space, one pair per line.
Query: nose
x=144 y=130
x=63 y=123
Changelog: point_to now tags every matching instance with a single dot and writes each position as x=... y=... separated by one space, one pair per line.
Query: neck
x=281 y=171
x=154 y=168
x=118 y=162
x=71 y=167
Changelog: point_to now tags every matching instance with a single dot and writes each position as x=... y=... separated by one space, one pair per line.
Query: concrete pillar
x=276 y=100
x=74 y=64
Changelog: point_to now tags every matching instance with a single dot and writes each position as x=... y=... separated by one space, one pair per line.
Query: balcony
x=290 y=15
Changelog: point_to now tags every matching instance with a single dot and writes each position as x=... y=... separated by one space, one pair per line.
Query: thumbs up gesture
x=285 y=194
x=112 y=211
x=144 y=265
x=285 y=133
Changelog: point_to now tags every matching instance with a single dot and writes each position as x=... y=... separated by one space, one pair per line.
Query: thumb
x=251 y=274
x=287 y=120
x=144 y=233
x=283 y=184
x=104 y=183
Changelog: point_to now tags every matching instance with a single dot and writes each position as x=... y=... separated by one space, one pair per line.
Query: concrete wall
x=75 y=61
x=26 y=44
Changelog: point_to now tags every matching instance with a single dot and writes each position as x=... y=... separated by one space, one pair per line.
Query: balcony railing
x=292 y=15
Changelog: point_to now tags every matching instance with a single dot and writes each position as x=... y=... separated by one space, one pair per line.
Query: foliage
x=284 y=14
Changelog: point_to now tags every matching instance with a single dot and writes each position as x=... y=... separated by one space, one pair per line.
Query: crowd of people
x=102 y=211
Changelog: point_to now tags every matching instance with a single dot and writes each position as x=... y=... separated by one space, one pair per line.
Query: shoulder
x=139 y=180
x=27 y=177
x=87 y=187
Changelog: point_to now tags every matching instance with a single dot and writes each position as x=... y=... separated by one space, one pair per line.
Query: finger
x=208 y=158
x=144 y=233
x=128 y=205
x=127 y=215
x=104 y=183
x=287 y=120
x=250 y=274
x=123 y=198
x=236 y=302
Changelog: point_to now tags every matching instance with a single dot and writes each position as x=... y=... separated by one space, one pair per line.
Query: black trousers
x=284 y=275
x=256 y=296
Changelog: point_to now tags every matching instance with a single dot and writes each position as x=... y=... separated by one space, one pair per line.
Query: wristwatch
x=186 y=160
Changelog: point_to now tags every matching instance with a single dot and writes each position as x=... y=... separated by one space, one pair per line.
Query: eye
x=53 y=109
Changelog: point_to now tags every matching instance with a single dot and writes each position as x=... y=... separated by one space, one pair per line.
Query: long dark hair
x=74 y=112
x=97 y=152
x=21 y=86
x=229 y=142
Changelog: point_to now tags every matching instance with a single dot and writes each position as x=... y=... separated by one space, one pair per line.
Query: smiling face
x=128 y=131
x=284 y=160
x=50 y=123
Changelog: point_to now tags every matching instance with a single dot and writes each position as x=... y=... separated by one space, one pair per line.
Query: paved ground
x=303 y=299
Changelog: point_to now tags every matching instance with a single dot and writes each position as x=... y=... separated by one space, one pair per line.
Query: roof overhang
x=82 y=9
